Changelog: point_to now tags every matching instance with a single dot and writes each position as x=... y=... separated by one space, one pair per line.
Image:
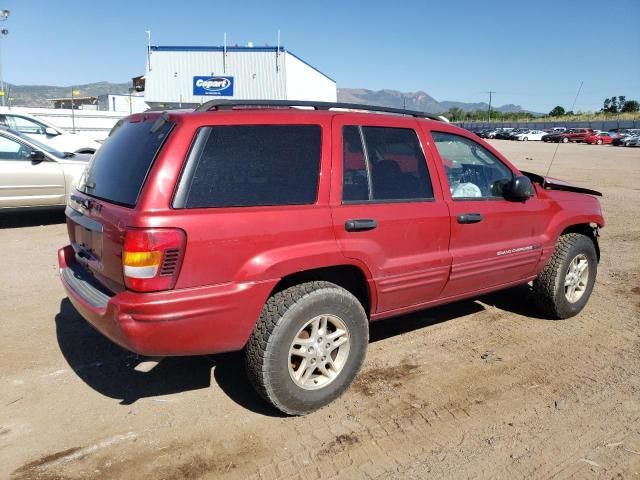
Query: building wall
x=305 y=83
x=258 y=73
x=171 y=77
x=122 y=103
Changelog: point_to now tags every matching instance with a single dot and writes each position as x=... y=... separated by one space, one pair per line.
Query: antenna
x=558 y=145
x=278 y=52
x=148 y=32
x=224 y=53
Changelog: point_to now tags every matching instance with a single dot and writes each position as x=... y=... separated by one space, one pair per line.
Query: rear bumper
x=193 y=321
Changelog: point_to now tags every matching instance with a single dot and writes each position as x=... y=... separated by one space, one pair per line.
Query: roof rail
x=230 y=104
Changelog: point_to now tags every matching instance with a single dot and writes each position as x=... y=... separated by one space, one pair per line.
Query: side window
x=389 y=166
x=12 y=150
x=25 y=125
x=472 y=171
x=253 y=165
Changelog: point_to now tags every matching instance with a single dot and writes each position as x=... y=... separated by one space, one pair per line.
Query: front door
x=493 y=241
x=387 y=211
x=27 y=184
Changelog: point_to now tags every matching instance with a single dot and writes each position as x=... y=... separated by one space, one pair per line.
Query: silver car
x=35 y=175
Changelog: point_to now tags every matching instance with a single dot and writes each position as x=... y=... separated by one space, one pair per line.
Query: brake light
x=151 y=258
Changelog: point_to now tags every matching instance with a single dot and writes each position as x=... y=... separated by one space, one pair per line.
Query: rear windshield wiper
x=162 y=119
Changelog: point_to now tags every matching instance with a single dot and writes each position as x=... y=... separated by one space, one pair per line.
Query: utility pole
x=4 y=14
x=490 y=92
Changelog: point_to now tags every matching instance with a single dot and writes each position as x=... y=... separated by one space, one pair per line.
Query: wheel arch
x=587 y=229
x=350 y=277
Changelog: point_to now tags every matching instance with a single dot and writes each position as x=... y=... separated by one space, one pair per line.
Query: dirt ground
x=478 y=389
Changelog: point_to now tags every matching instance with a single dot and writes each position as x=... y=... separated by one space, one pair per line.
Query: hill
x=37 y=95
x=413 y=101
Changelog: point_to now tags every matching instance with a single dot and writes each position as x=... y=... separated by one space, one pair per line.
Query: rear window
x=252 y=165
x=119 y=168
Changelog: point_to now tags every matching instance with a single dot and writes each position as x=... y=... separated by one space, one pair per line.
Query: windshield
x=41 y=146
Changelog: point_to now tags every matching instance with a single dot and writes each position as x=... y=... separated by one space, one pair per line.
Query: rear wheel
x=565 y=140
x=525 y=139
x=599 y=142
x=307 y=347
x=563 y=287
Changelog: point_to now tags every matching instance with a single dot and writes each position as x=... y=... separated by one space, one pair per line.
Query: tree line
x=613 y=105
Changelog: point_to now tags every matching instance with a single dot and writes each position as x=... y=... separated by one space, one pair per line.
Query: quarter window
x=253 y=165
x=383 y=163
x=473 y=171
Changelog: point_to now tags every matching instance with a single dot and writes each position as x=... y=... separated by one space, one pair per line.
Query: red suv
x=576 y=135
x=285 y=231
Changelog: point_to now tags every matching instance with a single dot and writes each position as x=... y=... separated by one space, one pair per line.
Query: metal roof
x=218 y=48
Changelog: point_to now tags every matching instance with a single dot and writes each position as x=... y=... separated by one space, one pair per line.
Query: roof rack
x=230 y=104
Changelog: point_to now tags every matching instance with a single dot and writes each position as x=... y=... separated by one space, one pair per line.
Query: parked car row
x=627 y=137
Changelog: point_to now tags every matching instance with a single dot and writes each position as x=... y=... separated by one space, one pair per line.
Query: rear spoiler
x=549 y=184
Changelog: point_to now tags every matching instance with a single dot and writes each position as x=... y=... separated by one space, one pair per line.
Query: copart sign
x=216 y=86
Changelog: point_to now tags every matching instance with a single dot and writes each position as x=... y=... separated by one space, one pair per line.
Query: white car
x=531 y=135
x=49 y=134
x=35 y=175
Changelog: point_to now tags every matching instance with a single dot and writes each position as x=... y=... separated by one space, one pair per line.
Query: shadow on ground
x=109 y=369
x=31 y=218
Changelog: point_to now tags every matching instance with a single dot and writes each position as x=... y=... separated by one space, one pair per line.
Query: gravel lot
x=483 y=389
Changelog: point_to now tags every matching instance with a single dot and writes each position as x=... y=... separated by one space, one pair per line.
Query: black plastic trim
x=86 y=286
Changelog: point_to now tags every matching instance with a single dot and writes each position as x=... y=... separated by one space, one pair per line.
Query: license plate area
x=86 y=238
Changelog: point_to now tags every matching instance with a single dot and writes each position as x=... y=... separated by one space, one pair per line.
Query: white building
x=188 y=76
x=128 y=104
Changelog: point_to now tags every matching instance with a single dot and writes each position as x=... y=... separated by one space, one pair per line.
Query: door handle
x=470 y=218
x=360 y=225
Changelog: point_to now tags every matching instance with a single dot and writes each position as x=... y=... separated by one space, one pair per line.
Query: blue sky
x=531 y=53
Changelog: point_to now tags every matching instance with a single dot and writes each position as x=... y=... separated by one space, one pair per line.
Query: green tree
x=557 y=111
x=630 y=106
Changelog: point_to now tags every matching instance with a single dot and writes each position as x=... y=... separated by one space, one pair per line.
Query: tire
x=599 y=142
x=565 y=140
x=271 y=366
x=550 y=292
x=525 y=139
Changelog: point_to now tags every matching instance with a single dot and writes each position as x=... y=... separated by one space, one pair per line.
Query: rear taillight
x=151 y=258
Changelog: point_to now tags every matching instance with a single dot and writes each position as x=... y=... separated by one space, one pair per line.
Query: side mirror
x=518 y=189
x=51 y=131
x=37 y=156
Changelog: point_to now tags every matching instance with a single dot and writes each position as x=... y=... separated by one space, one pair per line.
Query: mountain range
x=420 y=101
x=37 y=95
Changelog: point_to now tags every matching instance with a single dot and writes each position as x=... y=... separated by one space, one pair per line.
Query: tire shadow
x=110 y=370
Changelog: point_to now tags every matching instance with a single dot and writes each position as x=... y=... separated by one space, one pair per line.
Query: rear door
x=24 y=183
x=493 y=241
x=388 y=212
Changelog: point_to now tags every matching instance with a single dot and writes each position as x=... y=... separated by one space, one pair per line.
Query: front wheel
x=565 y=140
x=307 y=346
x=525 y=139
x=599 y=142
x=565 y=284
